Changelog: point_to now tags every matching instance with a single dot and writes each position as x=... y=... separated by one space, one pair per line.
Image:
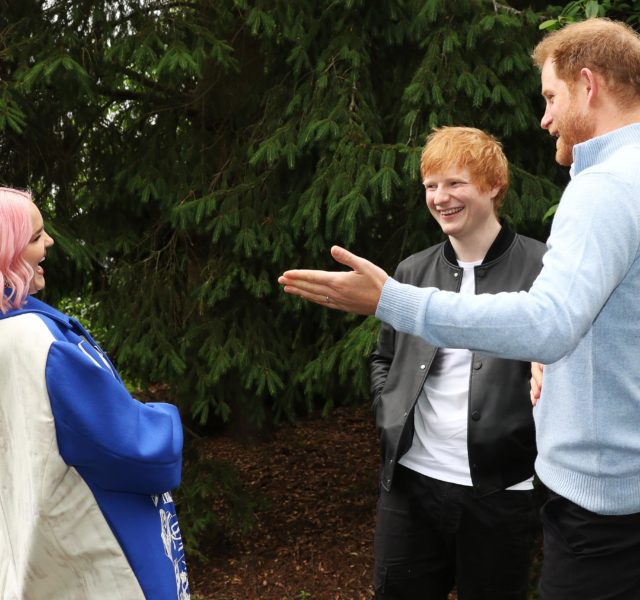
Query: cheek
x=430 y=200
x=33 y=257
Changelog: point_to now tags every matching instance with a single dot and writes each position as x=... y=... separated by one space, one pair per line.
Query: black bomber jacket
x=501 y=434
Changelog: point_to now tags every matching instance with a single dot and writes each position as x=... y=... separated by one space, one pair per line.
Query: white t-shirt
x=439 y=447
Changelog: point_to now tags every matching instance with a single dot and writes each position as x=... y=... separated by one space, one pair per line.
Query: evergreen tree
x=187 y=152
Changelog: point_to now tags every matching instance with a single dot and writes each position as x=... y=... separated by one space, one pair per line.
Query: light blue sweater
x=581 y=318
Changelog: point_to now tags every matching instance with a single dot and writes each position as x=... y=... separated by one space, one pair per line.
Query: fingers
x=308 y=276
x=313 y=296
x=536 y=375
x=534 y=392
x=309 y=285
x=535 y=382
x=344 y=257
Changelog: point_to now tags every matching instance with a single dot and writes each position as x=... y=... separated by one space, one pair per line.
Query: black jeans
x=588 y=556
x=431 y=535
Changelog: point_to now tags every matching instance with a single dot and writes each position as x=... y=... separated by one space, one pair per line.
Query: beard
x=574 y=127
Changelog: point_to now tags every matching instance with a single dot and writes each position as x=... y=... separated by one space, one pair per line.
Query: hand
x=357 y=291
x=536 y=382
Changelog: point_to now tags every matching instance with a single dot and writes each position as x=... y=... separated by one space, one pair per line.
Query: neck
x=475 y=245
x=613 y=117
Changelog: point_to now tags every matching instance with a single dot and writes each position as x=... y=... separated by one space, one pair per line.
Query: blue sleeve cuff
x=402 y=305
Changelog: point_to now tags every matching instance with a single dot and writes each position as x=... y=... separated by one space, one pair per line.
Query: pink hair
x=15 y=232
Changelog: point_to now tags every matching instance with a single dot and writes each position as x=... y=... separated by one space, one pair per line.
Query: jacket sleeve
x=380 y=362
x=382 y=357
x=116 y=441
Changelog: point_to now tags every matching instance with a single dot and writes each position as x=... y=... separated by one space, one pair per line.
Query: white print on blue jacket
x=85 y=471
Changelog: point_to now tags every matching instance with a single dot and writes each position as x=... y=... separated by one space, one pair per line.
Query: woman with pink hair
x=85 y=469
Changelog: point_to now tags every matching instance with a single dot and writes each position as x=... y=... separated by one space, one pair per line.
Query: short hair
x=609 y=48
x=472 y=149
x=15 y=232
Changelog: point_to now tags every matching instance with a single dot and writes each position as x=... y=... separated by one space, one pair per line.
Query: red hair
x=472 y=149
x=609 y=48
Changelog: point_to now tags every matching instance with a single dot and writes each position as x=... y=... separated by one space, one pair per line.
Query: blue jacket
x=85 y=471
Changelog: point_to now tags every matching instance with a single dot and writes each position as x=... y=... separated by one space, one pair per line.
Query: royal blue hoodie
x=85 y=471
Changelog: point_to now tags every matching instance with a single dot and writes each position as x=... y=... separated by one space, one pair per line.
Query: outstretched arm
x=356 y=291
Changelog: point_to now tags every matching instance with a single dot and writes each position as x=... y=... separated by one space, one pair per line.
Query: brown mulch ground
x=313 y=534
x=313 y=537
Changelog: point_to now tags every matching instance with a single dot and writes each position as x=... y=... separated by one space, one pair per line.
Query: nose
x=546 y=120
x=48 y=241
x=440 y=196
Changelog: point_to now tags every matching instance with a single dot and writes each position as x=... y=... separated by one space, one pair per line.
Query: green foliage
x=85 y=312
x=579 y=10
x=186 y=153
x=211 y=501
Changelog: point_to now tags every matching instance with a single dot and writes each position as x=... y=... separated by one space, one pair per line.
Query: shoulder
x=24 y=329
x=531 y=244
x=419 y=259
x=521 y=259
x=616 y=173
x=25 y=344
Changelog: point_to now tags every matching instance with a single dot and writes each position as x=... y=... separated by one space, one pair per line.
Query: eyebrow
x=446 y=180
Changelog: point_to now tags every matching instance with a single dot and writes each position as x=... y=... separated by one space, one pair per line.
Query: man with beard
x=581 y=316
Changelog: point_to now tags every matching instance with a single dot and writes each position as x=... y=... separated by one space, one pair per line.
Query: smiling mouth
x=450 y=211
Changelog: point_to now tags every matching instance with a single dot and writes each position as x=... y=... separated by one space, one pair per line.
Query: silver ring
x=327 y=299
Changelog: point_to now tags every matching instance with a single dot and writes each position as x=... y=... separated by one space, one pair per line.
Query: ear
x=494 y=191
x=591 y=84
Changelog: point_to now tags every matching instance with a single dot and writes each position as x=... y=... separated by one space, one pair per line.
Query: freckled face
x=457 y=204
x=36 y=249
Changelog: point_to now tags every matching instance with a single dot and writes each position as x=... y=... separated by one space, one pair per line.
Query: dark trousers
x=588 y=556
x=431 y=535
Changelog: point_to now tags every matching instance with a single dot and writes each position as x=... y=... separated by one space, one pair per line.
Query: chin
x=35 y=287
x=564 y=156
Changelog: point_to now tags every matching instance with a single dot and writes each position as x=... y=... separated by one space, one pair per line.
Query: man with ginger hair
x=581 y=317
x=457 y=437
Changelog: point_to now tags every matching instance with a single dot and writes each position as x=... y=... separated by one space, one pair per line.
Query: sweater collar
x=600 y=148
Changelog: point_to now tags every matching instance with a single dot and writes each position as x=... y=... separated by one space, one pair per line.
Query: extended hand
x=357 y=291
